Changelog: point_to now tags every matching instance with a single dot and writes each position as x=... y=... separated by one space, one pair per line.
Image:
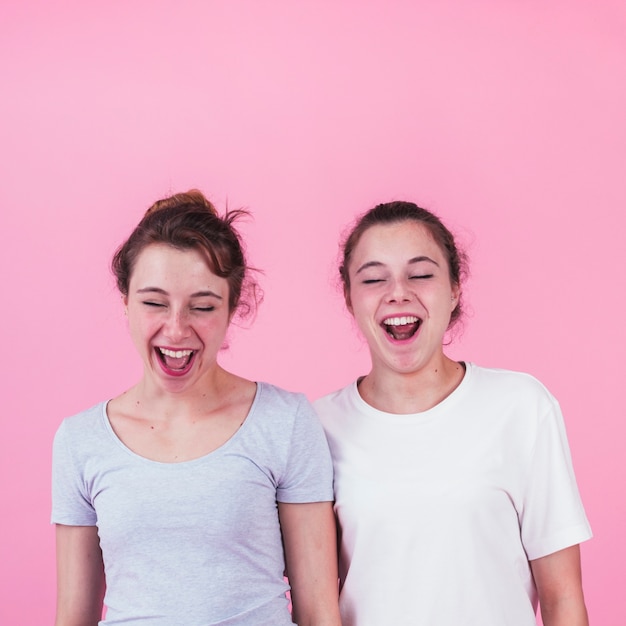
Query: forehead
x=397 y=242
x=162 y=263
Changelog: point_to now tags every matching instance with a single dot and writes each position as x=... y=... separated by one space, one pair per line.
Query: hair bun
x=193 y=197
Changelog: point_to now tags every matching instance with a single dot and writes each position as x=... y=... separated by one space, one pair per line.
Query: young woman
x=454 y=489
x=173 y=501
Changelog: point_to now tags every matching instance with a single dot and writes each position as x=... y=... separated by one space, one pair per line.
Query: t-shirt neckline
x=200 y=459
x=426 y=415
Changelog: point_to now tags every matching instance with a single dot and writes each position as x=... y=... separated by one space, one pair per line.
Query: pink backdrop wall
x=506 y=117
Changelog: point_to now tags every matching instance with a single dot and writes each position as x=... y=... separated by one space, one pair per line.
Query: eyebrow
x=198 y=294
x=415 y=259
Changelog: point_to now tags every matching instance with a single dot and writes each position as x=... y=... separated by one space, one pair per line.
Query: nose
x=399 y=291
x=176 y=326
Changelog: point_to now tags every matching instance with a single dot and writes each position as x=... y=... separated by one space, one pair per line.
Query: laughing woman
x=184 y=500
x=454 y=488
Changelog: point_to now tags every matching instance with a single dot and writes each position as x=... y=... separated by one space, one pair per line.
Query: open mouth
x=401 y=328
x=175 y=360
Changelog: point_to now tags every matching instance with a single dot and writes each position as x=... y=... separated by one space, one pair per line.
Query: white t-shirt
x=198 y=542
x=440 y=511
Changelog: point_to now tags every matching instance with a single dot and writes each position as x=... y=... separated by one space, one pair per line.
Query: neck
x=413 y=392
x=185 y=404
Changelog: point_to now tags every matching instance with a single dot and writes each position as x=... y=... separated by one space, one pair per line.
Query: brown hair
x=189 y=221
x=400 y=211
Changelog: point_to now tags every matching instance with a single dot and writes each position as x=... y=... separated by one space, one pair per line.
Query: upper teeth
x=175 y=354
x=400 y=321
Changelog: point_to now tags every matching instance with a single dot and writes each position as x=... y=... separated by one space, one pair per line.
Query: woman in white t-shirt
x=182 y=501
x=454 y=490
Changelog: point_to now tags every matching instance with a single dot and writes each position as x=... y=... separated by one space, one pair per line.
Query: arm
x=310 y=540
x=559 y=584
x=80 y=576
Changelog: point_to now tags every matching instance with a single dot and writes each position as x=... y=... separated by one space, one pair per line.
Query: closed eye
x=204 y=308
x=156 y=304
x=421 y=276
x=371 y=281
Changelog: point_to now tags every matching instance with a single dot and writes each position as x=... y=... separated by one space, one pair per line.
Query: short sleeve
x=308 y=475
x=71 y=504
x=553 y=517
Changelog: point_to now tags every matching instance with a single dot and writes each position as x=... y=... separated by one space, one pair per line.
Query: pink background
x=508 y=118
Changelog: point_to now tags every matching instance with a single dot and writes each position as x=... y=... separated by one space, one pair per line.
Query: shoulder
x=283 y=422
x=83 y=427
x=280 y=400
x=337 y=406
x=506 y=380
x=336 y=397
x=85 y=419
x=277 y=407
x=278 y=395
x=506 y=387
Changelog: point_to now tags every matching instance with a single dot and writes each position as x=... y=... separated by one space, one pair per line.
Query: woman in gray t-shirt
x=173 y=501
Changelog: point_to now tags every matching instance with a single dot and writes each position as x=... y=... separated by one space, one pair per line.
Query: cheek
x=214 y=327
x=141 y=327
x=360 y=299
x=363 y=317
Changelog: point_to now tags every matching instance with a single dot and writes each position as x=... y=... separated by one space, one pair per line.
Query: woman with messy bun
x=184 y=500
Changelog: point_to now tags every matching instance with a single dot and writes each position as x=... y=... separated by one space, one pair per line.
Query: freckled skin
x=175 y=318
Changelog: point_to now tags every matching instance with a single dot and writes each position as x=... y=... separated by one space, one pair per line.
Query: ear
x=456 y=296
x=125 y=303
x=348 y=300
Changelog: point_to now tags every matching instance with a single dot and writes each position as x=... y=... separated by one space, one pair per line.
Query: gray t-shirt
x=194 y=543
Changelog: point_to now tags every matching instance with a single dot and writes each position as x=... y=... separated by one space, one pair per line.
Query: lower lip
x=175 y=373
